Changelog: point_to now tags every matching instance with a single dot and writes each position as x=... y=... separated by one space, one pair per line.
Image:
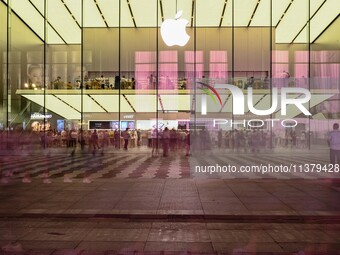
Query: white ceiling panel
x=295 y=18
x=228 y=18
x=62 y=21
x=30 y=15
x=109 y=102
x=145 y=12
x=175 y=102
x=318 y=19
x=143 y=103
x=278 y=9
x=262 y=14
x=75 y=8
x=39 y=4
x=264 y=104
x=209 y=13
x=55 y=105
x=328 y=12
x=53 y=37
x=169 y=9
x=110 y=9
x=92 y=17
x=124 y=105
x=256 y=99
x=75 y=101
x=126 y=19
x=243 y=11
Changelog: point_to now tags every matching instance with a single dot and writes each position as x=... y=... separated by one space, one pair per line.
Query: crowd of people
x=164 y=141
x=158 y=140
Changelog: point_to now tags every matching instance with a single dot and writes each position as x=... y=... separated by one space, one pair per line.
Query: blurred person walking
x=334 y=144
x=166 y=142
x=127 y=137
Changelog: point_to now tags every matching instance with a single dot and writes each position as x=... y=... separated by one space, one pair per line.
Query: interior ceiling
x=289 y=17
x=68 y=104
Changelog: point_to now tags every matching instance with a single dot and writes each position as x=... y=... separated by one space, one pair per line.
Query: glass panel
x=101 y=59
x=26 y=71
x=4 y=65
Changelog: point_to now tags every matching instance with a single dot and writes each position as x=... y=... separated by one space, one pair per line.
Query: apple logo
x=173 y=31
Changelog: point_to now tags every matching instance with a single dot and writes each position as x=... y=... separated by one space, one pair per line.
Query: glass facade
x=88 y=65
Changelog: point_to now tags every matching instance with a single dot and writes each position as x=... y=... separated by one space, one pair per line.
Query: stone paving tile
x=50 y=205
x=39 y=252
x=306 y=236
x=111 y=246
x=178 y=246
x=231 y=226
x=123 y=225
x=93 y=204
x=267 y=207
x=180 y=212
x=136 y=205
x=334 y=234
x=14 y=233
x=180 y=205
x=178 y=235
x=89 y=252
x=20 y=223
x=133 y=212
x=311 y=206
x=310 y=248
x=246 y=248
x=67 y=252
x=330 y=226
x=51 y=234
x=139 y=235
x=68 y=224
x=178 y=225
x=47 y=245
x=135 y=197
x=292 y=226
x=240 y=236
x=215 y=207
x=42 y=211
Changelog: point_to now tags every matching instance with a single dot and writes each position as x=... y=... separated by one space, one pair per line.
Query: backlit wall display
x=109 y=124
x=99 y=124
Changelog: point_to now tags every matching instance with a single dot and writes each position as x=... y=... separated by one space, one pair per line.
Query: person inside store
x=250 y=83
x=77 y=76
x=117 y=82
x=126 y=136
x=123 y=82
x=102 y=82
x=152 y=82
x=133 y=83
x=334 y=144
x=58 y=83
x=34 y=75
x=184 y=84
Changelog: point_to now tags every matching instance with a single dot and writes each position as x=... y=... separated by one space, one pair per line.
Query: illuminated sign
x=39 y=116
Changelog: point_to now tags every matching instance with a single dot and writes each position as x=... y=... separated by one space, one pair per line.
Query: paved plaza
x=135 y=203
